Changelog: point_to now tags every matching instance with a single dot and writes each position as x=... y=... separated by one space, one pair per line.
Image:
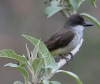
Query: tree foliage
x=39 y=62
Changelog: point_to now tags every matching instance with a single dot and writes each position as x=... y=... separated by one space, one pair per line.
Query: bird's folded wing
x=59 y=39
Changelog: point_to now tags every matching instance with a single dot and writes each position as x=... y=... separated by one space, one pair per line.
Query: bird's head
x=75 y=20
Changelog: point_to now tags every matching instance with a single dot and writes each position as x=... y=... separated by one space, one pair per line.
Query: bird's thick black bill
x=87 y=24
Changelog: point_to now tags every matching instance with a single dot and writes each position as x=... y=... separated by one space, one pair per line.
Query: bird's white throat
x=78 y=29
x=78 y=36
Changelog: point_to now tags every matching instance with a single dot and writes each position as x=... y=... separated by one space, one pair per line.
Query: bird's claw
x=63 y=57
x=71 y=56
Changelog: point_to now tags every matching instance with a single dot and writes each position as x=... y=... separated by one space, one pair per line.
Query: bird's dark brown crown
x=74 y=20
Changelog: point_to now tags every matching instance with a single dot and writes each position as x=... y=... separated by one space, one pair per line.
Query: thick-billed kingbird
x=64 y=40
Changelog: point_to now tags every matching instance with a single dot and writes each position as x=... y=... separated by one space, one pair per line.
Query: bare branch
x=64 y=14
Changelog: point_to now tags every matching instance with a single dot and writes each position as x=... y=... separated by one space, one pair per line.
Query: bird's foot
x=63 y=57
x=71 y=56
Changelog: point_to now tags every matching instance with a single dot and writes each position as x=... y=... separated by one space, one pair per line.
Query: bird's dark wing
x=59 y=39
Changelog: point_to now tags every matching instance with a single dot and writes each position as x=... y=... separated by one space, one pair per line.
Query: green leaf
x=22 y=70
x=67 y=1
x=76 y=3
x=54 y=3
x=93 y=3
x=43 y=51
x=92 y=19
x=37 y=65
x=24 y=73
x=35 y=51
x=45 y=82
x=51 y=10
x=71 y=74
x=28 y=53
x=17 y=82
x=52 y=65
x=11 y=54
x=11 y=65
x=21 y=64
x=54 y=82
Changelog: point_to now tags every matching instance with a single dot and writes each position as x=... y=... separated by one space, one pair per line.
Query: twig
x=63 y=61
x=64 y=14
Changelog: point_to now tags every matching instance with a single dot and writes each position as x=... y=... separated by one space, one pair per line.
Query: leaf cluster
x=70 y=7
x=39 y=62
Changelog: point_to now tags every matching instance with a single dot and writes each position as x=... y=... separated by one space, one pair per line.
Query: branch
x=62 y=62
x=64 y=14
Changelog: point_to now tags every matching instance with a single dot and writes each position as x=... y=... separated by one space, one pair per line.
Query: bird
x=66 y=39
